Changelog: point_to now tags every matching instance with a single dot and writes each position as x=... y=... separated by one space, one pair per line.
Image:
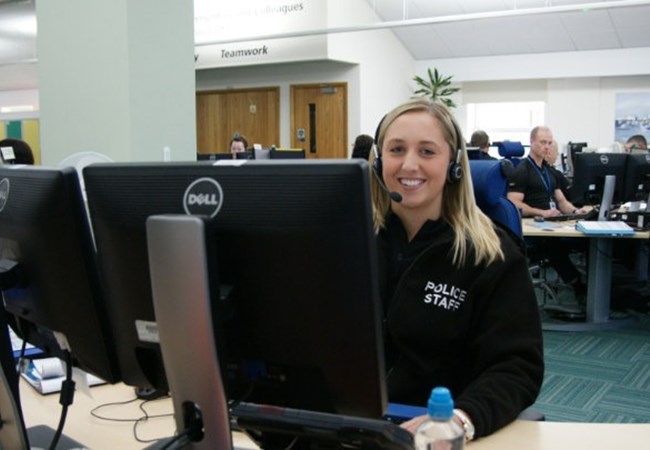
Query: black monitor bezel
x=54 y=298
x=637 y=168
x=262 y=184
x=589 y=169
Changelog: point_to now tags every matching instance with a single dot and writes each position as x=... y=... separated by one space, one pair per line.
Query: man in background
x=551 y=159
x=481 y=140
x=637 y=142
x=362 y=145
x=536 y=191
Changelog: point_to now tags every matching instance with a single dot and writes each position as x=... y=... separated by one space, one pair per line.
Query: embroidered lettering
x=444 y=295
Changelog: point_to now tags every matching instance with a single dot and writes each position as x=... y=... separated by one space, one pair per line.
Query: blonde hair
x=459 y=207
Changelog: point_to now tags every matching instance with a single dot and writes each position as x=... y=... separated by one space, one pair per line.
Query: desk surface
x=567 y=229
x=100 y=434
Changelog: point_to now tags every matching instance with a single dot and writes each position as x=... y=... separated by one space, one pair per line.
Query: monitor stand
x=40 y=436
x=608 y=197
x=178 y=269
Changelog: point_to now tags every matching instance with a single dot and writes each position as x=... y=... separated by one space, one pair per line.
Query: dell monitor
x=589 y=171
x=214 y=156
x=50 y=285
x=572 y=149
x=246 y=154
x=287 y=153
x=297 y=306
x=637 y=177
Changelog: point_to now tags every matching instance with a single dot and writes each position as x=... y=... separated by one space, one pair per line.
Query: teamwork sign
x=242 y=33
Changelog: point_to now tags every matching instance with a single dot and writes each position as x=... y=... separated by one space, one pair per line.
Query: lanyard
x=543 y=174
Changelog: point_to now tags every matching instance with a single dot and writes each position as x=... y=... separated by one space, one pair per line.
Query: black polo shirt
x=532 y=182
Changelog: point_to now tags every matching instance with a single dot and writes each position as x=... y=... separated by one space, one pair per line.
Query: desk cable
x=136 y=421
x=66 y=398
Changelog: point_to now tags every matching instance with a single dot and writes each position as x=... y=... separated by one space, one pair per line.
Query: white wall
x=26 y=97
x=386 y=68
x=577 y=109
x=599 y=63
x=579 y=88
x=376 y=66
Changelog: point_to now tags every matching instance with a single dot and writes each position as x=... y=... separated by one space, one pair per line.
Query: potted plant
x=437 y=87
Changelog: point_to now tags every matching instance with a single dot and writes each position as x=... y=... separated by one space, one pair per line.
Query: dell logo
x=604 y=159
x=4 y=192
x=203 y=197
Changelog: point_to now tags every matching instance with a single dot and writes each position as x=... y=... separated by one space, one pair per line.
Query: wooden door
x=253 y=113
x=319 y=119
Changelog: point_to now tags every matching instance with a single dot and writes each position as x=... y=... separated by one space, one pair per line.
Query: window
x=505 y=120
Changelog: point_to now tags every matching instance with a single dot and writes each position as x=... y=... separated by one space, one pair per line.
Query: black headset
x=454 y=172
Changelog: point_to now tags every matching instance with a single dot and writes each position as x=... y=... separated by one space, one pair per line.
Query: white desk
x=599 y=277
x=98 y=434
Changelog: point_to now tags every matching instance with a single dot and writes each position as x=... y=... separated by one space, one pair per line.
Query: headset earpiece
x=376 y=164
x=455 y=170
x=455 y=173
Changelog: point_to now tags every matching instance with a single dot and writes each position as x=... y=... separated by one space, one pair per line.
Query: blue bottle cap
x=440 y=405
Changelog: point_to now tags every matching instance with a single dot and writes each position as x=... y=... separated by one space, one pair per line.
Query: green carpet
x=600 y=376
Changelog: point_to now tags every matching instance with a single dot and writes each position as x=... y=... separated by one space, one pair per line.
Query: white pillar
x=116 y=77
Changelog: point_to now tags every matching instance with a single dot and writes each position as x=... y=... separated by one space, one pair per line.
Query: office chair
x=490 y=181
x=22 y=150
x=511 y=150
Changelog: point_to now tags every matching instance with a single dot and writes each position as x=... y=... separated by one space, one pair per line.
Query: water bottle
x=440 y=432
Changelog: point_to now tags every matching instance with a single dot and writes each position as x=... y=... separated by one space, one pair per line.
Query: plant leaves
x=437 y=87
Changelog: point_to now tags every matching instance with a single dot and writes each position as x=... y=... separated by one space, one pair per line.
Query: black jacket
x=475 y=330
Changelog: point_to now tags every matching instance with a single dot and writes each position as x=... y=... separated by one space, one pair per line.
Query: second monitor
x=589 y=171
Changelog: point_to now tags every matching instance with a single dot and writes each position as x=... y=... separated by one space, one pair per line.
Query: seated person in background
x=481 y=140
x=450 y=280
x=362 y=145
x=22 y=151
x=536 y=190
x=563 y=182
x=636 y=142
x=238 y=144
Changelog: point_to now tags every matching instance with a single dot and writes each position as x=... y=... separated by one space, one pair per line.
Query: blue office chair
x=490 y=180
x=511 y=150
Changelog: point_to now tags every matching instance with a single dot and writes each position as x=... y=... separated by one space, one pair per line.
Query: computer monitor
x=572 y=149
x=213 y=156
x=637 y=177
x=262 y=153
x=286 y=153
x=589 y=171
x=246 y=154
x=49 y=281
x=295 y=262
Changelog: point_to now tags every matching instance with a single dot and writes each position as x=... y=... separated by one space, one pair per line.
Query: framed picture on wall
x=632 y=115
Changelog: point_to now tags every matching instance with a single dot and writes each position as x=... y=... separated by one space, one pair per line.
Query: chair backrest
x=512 y=150
x=490 y=180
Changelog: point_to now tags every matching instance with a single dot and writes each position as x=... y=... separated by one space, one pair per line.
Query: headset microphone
x=395 y=196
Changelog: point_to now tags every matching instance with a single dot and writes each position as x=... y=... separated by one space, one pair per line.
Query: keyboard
x=266 y=423
x=591 y=215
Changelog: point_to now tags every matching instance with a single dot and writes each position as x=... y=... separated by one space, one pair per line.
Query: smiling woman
x=450 y=280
